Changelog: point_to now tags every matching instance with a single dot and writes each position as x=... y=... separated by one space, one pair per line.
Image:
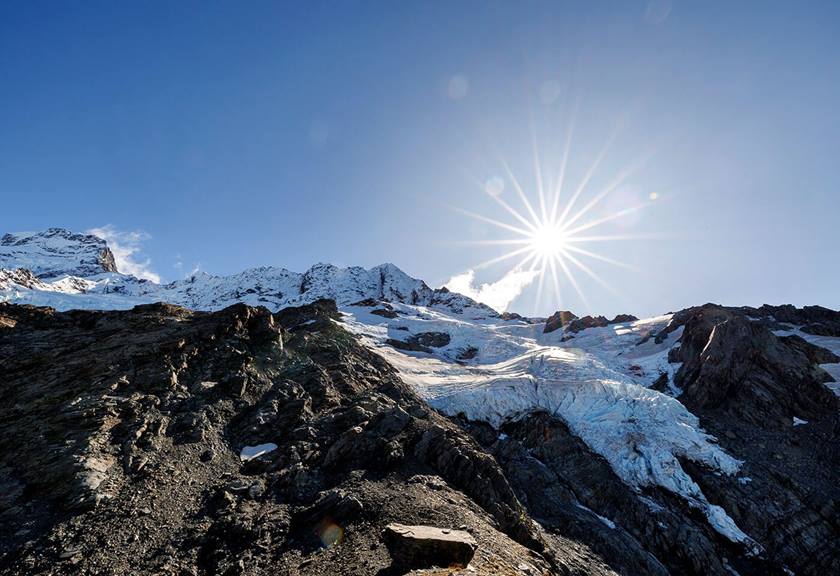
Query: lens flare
x=330 y=533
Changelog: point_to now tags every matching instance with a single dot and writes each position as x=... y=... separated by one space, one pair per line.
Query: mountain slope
x=699 y=442
x=138 y=424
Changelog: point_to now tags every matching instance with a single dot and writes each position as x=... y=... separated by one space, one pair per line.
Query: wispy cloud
x=127 y=250
x=498 y=295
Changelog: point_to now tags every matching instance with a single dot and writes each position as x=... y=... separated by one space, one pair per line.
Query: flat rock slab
x=426 y=546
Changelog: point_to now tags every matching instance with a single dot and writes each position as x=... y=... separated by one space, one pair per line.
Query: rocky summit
x=356 y=421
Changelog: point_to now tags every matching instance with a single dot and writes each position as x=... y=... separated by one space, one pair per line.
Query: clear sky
x=243 y=134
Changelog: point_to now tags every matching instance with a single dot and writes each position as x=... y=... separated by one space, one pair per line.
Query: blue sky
x=238 y=135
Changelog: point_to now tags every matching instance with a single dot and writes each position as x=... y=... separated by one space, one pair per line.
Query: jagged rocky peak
x=571 y=323
x=733 y=362
x=56 y=252
x=558 y=320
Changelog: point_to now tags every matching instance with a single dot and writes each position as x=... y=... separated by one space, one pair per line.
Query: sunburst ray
x=596 y=256
x=502 y=258
x=521 y=193
x=493 y=222
x=549 y=242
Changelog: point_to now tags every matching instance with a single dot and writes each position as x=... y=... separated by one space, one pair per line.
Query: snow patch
x=251 y=452
x=606 y=521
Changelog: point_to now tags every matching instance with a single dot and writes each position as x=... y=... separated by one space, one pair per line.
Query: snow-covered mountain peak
x=78 y=271
x=56 y=252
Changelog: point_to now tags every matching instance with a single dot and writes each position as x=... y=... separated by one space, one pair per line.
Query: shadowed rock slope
x=750 y=387
x=128 y=442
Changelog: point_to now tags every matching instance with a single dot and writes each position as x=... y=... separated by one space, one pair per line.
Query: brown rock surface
x=428 y=546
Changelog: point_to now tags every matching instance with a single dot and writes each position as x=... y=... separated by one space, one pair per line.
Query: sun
x=548 y=241
x=550 y=234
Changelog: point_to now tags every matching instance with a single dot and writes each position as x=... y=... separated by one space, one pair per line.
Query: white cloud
x=499 y=294
x=126 y=247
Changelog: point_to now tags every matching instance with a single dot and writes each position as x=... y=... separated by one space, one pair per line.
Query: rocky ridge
x=63 y=270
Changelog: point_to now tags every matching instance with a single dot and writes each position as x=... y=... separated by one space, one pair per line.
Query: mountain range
x=296 y=423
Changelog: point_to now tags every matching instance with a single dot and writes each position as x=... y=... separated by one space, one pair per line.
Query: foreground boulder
x=427 y=546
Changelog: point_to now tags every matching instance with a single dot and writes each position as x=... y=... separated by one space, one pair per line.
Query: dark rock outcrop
x=385 y=313
x=558 y=320
x=740 y=367
x=816 y=320
x=467 y=353
x=408 y=345
x=571 y=323
x=432 y=339
x=421 y=342
x=515 y=316
x=586 y=322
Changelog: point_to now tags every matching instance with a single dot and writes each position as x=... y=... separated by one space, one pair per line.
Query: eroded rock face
x=750 y=388
x=740 y=367
x=129 y=441
x=428 y=546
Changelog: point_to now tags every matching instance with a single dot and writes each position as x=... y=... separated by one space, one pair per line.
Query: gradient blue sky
x=244 y=134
